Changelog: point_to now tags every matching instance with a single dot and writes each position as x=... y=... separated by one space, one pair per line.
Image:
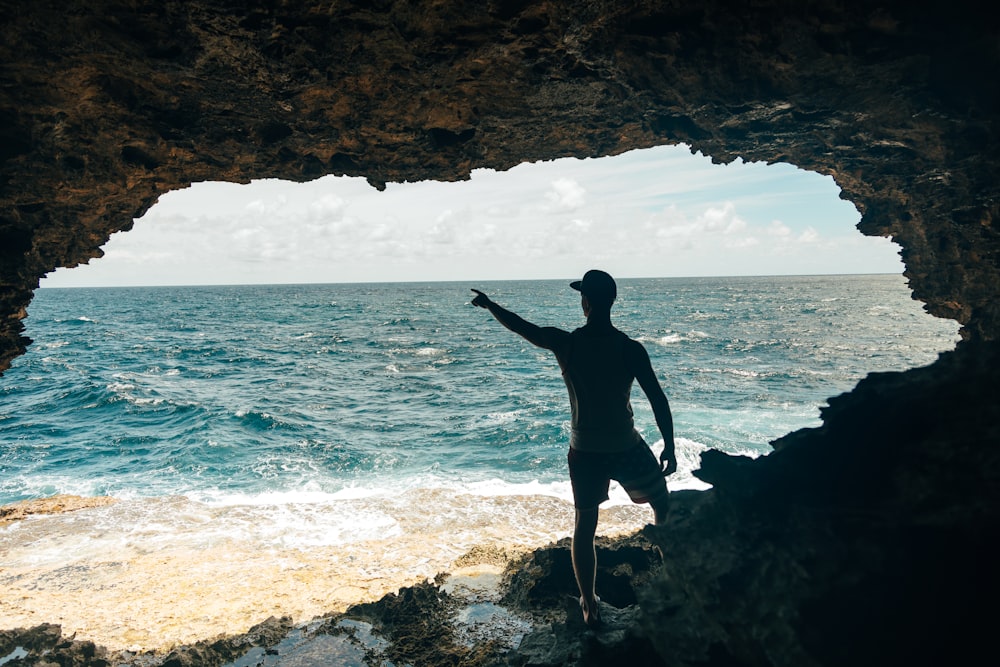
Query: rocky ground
x=866 y=541
x=490 y=612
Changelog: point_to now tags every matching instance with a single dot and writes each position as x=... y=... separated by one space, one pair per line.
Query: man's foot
x=591 y=613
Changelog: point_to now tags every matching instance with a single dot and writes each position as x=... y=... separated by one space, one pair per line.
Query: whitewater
x=294 y=449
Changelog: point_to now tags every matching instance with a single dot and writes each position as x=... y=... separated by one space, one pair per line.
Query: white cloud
x=328 y=207
x=656 y=212
x=722 y=219
x=743 y=242
x=779 y=229
x=809 y=235
x=442 y=232
x=566 y=195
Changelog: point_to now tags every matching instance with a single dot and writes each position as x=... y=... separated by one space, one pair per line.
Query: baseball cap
x=597 y=286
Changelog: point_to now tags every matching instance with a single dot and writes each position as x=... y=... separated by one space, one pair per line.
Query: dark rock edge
x=865 y=541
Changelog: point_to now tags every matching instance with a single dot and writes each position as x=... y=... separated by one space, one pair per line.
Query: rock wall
x=106 y=104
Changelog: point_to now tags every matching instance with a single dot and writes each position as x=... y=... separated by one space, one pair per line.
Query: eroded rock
x=107 y=105
x=830 y=551
x=56 y=504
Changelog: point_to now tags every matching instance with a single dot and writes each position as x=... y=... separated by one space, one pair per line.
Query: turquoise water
x=217 y=393
x=293 y=450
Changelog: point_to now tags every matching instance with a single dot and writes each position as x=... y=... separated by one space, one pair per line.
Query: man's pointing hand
x=480 y=299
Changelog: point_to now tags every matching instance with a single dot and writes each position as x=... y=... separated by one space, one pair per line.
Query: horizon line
x=469 y=280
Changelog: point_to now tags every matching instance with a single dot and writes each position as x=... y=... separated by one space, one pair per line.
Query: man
x=598 y=364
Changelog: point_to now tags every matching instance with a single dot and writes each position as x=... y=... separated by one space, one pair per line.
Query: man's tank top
x=599 y=382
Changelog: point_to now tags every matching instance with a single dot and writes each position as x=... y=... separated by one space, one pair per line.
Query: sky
x=659 y=212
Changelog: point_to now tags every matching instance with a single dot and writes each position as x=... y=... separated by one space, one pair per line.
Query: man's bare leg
x=585 y=563
x=661 y=506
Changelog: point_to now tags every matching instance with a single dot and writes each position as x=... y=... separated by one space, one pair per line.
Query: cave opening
x=890 y=100
x=282 y=414
x=760 y=232
x=653 y=212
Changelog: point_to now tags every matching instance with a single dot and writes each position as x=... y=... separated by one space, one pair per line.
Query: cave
x=795 y=558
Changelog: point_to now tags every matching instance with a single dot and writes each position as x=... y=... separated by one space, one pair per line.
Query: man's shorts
x=636 y=469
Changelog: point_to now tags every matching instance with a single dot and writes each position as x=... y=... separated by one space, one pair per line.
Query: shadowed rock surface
x=44 y=645
x=865 y=541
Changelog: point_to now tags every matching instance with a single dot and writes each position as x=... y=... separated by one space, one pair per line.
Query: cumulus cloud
x=327 y=208
x=778 y=229
x=809 y=235
x=565 y=194
x=442 y=231
x=722 y=219
x=657 y=212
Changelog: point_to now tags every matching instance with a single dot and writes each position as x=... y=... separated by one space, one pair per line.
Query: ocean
x=293 y=449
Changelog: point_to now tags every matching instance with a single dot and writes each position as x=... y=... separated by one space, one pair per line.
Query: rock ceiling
x=106 y=105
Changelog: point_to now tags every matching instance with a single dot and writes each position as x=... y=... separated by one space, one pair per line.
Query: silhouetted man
x=599 y=363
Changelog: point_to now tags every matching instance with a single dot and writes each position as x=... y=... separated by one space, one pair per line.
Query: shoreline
x=150 y=592
x=57 y=504
x=494 y=608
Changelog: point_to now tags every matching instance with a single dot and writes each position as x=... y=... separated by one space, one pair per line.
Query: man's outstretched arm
x=534 y=334
x=644 y=374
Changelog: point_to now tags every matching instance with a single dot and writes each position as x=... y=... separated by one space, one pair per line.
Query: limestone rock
x=106 y=105
x=831 y=550
x=50 y=505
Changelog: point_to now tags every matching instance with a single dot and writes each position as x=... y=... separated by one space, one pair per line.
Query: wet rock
x=226 y=649
x=570 y=642
x=44 y=645
x=418 y=627
x=52 y=505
